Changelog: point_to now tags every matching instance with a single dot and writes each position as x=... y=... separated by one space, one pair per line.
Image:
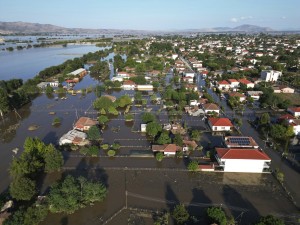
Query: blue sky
x=154 y=14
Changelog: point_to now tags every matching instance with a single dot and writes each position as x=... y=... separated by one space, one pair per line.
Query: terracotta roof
x=232 y=80
x=210 y=106
x=236 y=94
x=286 y=117
x=85 y=121
x=223 y=82
x=245 y=81
x=165 y=148
x=295 y=109
x=254 y=154
x=128 y=82
x=220 y=122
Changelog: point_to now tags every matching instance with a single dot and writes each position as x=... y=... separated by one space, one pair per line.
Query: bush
x=105 y=146
x=216 y=215
x=159 y=156
x=111 y=153
x=193 y=166
x=115 y=146
x=128 y=117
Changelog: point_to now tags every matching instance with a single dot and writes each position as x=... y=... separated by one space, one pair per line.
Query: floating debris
x=52 y=113
x=33 y=127
x=15 y=150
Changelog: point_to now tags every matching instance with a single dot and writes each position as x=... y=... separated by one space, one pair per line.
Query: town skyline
x=155 y=15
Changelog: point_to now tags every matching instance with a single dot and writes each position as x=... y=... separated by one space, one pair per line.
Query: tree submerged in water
x=74 y=193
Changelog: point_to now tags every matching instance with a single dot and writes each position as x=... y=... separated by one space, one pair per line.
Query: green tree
x=138 y=96
x=180 y=214
x=193 y=166
x=270 y=220
x=159 y=156
x=49 y=90
x=112 y=110
x=195 y=135
x=94 y=133
x=178 y=140
x=102 y=103
x=56 y=121
x=72 y=194
x=264 y=119
x=129 y=117
x=148 y=117
x=278 y=131
x=111 y=152
x=216 y=215
x=22 y=188
x=153 y=128
x=53 y=159
x=124 y=101
x=103 y=119
x=164 y=138
x=4 y=102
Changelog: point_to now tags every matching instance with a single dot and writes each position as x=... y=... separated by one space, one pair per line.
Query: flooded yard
x=243 y=196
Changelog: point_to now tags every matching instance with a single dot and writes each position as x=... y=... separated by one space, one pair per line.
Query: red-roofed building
x=248 y=83
x=128 y=85
x=294 y=111
x=240 y=96
x=233 y=83
x=242 y=160
x=220 y=124
x=223 y=84
x=167 y=149
x=85 y=123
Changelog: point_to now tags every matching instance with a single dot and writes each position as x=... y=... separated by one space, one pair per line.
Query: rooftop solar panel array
x=239 y=140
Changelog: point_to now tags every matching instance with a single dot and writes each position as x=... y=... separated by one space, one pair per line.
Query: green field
x=294 y=98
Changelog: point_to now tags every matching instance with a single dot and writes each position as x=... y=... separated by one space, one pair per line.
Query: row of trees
x=214 y=215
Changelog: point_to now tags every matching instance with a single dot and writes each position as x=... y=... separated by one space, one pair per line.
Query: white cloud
x=283 y=17
x=234 y=20
x=237 y=19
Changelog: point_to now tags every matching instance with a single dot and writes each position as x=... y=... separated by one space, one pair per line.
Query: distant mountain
x=36 y=28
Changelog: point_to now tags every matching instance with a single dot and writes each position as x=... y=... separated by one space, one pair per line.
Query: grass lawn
x=294 y=98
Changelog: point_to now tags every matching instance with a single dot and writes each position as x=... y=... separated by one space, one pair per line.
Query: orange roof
x=245 y=81
x=85 y=121
x=211 y=106
x=296 y=109
x=236 y=94
x=228 y=153
x=220 y=122
x=223 y=82
x=286 y=117
x=128 y=82
x=232 y=80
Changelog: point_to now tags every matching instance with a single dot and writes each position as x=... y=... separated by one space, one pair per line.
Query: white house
x=210 y=108
x=246 y=82
x=167 y=149
x=223 y=84
x=117 y=78
x=242 y=160
x=189 y=73
x=233 y=83
x=125 y=75
x=240 y=96
x=254 y=94
x=294 y=111
x=73 y=137
x=270 y=75
x=128 y=85
x=143 y=127
x=174 y=56
x=220 y=124
x=144 y=87
x=295 y=123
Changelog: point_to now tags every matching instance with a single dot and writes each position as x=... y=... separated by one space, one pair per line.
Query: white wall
x=243 y=165
x=220 y=128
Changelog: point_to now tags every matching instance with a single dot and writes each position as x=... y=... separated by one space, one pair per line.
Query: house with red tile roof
x=220 y=124
x=240 y=96
x=223 y=84
x=248 y=83
x=242 y=160
x=128 y=85
x=211 y=108
x=295 y=111
x=167 y=149
x=85 y=123
x=233 y=83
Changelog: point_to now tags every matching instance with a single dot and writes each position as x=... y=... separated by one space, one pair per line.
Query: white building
x=73 y=137
x=220 y=124
x=294 y=111
x=270 y=75
x=242 y=160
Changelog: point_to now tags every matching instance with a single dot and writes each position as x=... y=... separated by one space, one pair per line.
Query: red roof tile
x=245 y=81
x=296 y=109
x=253 y=154
x=223 y=82
x=232 y=80
x=220 y=122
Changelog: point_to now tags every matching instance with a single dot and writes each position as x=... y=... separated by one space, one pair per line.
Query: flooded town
x=168 y=128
